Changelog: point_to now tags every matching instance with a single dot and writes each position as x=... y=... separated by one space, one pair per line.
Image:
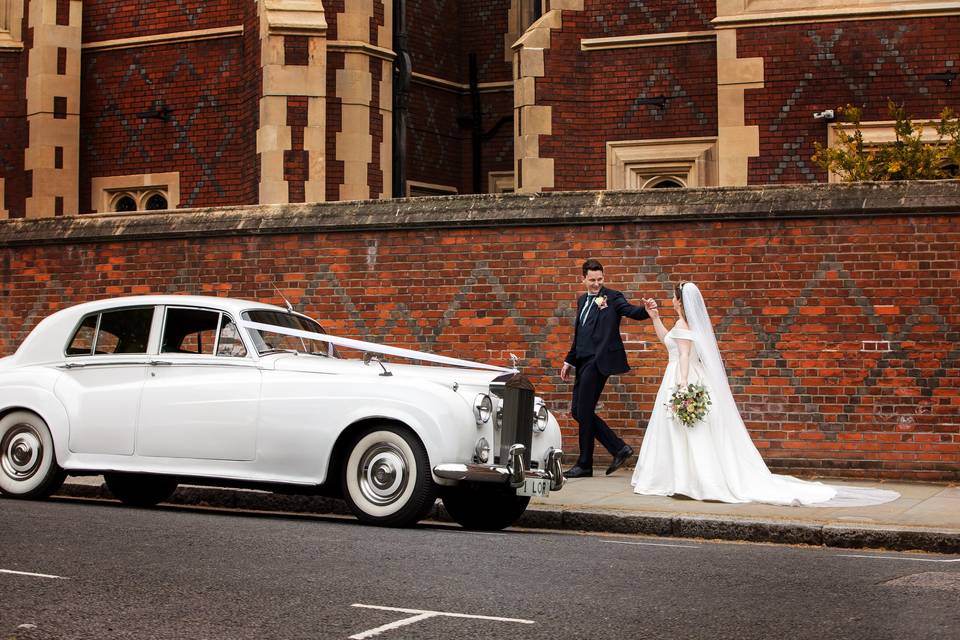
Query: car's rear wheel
x=483 y=507
x=137 y=490
x=28 y=463
x=386 y=478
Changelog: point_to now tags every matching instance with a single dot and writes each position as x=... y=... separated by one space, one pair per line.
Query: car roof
x=231 y=305
x=47 y=340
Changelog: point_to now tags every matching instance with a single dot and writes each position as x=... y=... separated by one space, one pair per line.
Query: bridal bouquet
x=690 y=404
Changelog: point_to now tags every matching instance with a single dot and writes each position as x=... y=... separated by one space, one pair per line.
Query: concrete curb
x=608 y=521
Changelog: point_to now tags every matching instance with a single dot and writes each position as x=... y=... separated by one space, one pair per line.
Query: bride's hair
x=678 y=294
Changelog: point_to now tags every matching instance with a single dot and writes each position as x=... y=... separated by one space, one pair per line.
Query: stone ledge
x=500 y=210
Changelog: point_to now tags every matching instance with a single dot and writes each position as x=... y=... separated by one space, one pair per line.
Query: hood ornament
x=514 y=361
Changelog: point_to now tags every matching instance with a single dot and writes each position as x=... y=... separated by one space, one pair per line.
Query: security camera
x=826 y=114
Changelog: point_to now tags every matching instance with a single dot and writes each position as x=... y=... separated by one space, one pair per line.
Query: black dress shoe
x=620 y=458
x=578 y=472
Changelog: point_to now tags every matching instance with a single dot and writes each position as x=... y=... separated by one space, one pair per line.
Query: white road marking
x=653 y=544
x=34 y=575
x=419 y=615
x=849 y=555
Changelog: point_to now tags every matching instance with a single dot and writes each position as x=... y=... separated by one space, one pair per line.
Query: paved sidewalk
x=926 y=517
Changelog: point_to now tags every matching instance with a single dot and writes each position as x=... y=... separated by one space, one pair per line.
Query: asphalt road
x=179 y=573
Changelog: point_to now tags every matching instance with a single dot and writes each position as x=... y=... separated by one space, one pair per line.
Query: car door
x=104 y=367
x=201 y=393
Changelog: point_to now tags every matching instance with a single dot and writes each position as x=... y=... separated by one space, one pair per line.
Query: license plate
x=534 y=487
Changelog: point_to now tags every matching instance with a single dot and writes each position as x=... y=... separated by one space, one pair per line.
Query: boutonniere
x=601 y=302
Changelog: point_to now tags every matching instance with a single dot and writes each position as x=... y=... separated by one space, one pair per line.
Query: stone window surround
x=11 y=18
x=440 y=189
x=107 y=190
x=876 y=132
x=500 y=182
x=638 y=164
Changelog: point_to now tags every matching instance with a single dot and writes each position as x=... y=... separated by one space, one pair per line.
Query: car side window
x=230 y=344
x=124 y=331
x=109 y=332
x=190 y=331
x=82 y=342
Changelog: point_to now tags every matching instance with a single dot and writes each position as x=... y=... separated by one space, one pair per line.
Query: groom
x=596 y=354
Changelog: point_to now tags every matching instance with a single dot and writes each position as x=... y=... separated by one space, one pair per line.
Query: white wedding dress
x=716 y=459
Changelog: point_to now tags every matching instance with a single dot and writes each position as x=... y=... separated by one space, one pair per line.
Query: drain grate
x=928 y=580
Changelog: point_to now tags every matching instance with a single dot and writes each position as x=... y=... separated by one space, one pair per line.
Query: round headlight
x=482 y=408
x=540 y=418
x=483 y=450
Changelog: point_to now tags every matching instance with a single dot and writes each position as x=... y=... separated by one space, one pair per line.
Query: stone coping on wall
x=500 y=210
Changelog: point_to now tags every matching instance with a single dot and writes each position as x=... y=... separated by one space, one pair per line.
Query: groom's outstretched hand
x=649 y=304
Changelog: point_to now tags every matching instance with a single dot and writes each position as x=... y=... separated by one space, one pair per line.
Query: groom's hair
x=591 y=265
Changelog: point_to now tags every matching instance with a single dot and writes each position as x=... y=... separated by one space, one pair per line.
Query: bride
x=715 y=459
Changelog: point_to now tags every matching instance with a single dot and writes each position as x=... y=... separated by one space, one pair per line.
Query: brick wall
x=598 y=96
x=809 y=68
x=202 y=83
x=107 y=19
x=837 y=307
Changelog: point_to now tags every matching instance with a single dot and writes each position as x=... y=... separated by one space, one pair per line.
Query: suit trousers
x=587 y=388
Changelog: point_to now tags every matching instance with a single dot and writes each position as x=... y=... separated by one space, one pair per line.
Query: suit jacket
x=610 y=353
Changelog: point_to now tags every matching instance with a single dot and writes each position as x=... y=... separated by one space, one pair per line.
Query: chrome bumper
x=512 y=473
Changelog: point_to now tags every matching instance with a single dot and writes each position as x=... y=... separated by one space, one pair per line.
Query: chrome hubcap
x=383 y=474
x=21 y=452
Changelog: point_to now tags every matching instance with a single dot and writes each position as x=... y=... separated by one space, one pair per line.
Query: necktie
x=586 y=308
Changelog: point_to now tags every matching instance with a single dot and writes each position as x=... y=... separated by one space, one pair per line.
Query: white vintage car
x=153 y=391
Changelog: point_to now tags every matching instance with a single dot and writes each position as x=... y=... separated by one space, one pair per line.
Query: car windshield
x=272 y=341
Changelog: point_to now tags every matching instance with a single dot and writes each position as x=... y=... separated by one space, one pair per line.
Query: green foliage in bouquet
x=690 y=404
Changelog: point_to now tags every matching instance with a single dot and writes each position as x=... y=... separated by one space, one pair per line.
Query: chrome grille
x=517 y=396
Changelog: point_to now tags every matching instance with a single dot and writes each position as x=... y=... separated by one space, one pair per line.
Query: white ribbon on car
x=372 y=347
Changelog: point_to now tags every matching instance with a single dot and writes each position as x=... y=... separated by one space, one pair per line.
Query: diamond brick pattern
x=199 y=85
x=792 y=302
x=825 y=66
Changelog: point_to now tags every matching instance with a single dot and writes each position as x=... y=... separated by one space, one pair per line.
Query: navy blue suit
x=601 y=355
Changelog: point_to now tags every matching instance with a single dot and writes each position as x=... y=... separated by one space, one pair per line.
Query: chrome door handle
x=159 y=363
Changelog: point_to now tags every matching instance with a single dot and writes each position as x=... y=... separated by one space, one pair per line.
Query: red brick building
x=110 y=105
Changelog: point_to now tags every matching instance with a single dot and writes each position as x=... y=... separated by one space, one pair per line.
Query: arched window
x=125 y=203
x=156 y=202
x=664 y=182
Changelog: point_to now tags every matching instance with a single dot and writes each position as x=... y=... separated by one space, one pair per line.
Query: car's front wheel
x=137 y=490
x=28 y=464
x=483 y=507
x=386 y=477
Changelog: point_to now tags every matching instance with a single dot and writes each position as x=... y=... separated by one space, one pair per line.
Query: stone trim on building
x=354 y=88
x=737 y=142
x=635 y=164
x=647 y=40
x=11 y=19
x=500 y=182
x=278 y=20
x=104 y=190
x=530 y=121
x=178 y=37
x=51 y=157
x=416 y=188
x=760 y=13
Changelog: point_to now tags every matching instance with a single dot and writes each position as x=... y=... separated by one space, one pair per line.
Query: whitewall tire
x=28 y=463
x=386 y=477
